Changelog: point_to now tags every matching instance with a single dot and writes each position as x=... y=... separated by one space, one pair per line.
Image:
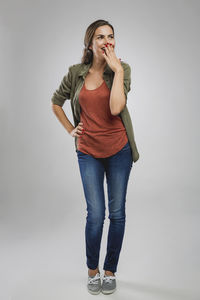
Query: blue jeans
x=117 y=168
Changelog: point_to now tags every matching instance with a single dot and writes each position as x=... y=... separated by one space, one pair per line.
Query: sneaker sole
x=108 y=292
x=94 y=293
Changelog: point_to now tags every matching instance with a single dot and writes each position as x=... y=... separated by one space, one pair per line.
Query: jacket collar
x=85 y=68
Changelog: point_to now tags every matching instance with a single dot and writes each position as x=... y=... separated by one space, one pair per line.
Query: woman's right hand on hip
x=78 y=130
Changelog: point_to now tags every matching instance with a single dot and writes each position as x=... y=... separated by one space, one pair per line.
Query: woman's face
x=102 y=36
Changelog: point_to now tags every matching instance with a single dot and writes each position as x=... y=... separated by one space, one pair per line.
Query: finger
x=111 y=47
x=78 y=134
x=105 y=55
x=110 y=50
x=107 y=47
x=81 y=130
x=107 y=51
x=80 y=126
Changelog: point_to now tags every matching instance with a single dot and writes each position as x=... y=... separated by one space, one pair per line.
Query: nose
x=106 y=42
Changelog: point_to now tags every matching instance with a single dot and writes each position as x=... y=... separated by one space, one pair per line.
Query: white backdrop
x=42 y=205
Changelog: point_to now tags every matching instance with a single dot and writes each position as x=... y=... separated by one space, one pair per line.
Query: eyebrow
x=103 y=34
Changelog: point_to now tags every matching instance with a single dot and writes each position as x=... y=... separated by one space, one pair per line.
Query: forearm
x=61 y=116
x=117 y=96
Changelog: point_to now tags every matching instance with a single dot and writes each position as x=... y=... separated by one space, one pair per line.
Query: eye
x=102 y=37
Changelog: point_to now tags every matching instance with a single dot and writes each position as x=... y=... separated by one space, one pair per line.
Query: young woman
x=104 y=143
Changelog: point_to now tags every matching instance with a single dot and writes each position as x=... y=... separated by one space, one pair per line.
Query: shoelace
x=95 y=279
x=108 y=279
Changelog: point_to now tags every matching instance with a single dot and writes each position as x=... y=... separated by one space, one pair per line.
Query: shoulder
x=127 y=70
x=76 y=68
x=125 y=66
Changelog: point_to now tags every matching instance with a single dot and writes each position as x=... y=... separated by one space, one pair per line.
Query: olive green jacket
x=71 y=85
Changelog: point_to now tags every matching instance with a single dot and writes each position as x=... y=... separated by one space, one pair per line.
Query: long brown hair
x=87 y=53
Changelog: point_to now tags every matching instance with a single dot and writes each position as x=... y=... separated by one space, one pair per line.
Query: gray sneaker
x=108 y=284
x=94 y=284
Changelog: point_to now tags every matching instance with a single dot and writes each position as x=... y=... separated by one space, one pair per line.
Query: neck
x=98 y=65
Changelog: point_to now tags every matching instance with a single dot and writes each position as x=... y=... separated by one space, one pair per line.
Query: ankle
x=92 y=272
x=109 y=273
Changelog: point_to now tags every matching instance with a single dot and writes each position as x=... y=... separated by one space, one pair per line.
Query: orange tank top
x=104 y=133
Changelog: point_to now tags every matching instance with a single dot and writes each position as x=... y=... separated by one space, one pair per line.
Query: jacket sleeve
x=127 y=80
x=63 y=91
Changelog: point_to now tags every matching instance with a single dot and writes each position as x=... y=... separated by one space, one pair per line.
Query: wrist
x=119 y=70
x=70 y=130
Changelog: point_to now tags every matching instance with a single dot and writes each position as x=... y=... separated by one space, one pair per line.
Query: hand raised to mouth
x=104 y=48
x=111 y=58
